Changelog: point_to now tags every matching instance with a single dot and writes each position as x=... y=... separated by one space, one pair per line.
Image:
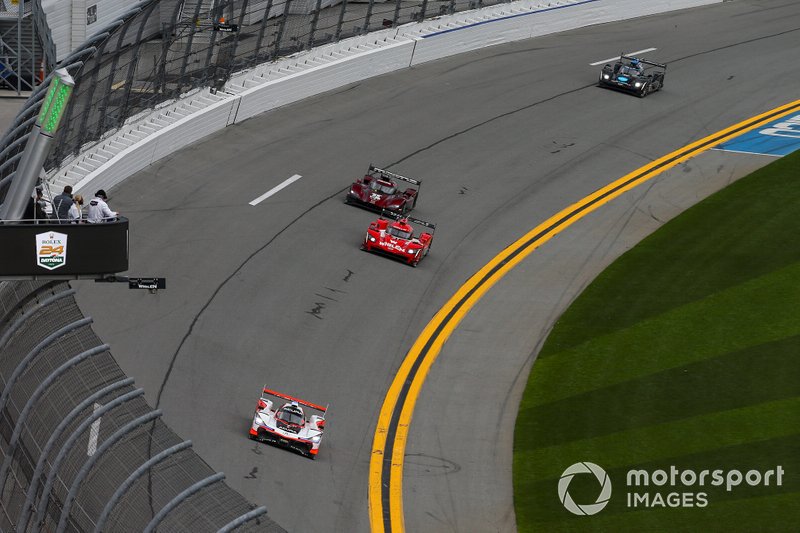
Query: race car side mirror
x=321 y=424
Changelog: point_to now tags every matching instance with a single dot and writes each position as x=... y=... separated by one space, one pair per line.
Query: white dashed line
x=94 y=433
x=275 y=189
x=627 y=54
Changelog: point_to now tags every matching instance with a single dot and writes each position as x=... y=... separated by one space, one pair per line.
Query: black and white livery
x=634 y=75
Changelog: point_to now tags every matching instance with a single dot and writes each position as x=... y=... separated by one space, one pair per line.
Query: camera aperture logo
x=668 y=487
x=584 y=509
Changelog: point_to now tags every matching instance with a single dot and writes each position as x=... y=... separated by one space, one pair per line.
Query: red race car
x=395 y=238
x=378 y=190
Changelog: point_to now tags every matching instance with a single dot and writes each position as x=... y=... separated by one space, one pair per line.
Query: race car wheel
x=645 y=90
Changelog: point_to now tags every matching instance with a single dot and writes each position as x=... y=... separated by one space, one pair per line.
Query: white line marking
x=94 y=432
x=627 y=54
x=745 y=152
x=275 y=189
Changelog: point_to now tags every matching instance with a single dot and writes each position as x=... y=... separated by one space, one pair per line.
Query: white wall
x=177 y=124
x=67 y=20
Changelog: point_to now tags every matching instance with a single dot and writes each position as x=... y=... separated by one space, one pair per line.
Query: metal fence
x=164 y=48
x=81 y=450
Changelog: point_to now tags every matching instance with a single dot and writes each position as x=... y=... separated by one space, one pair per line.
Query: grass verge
x=685 y=352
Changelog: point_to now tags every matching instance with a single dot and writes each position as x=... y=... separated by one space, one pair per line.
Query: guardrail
x=81 y=448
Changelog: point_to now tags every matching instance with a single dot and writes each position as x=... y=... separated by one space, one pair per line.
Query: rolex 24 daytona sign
x=51 y=250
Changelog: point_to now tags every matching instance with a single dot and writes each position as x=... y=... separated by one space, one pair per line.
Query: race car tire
x=414 y=204
x=644 y=91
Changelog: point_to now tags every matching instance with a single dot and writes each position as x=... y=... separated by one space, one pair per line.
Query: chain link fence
x=80 y=448
x=164 y=48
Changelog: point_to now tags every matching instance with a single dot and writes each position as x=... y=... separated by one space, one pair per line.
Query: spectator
x=75 y=213
x=62 y=204
x=98 y=210
x=35 y=211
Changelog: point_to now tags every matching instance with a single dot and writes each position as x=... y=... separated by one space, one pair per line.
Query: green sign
x=55 y=102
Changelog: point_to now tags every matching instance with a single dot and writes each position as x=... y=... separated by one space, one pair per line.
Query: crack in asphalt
x=405 y=158
x=225 y=281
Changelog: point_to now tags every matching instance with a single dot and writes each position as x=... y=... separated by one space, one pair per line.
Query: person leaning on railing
x=98 y=210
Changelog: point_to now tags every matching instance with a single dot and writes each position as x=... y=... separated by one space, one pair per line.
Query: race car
x=633 y=75
x=396 y=238
x=287 y=425
x=378 y=190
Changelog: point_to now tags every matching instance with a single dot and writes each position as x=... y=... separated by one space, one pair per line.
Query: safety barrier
x=80 y=448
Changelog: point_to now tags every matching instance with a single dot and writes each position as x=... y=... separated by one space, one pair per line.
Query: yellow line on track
x=386 y=471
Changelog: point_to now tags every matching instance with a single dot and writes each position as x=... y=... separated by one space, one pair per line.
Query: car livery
x=287 y=425
x=634 y=75
x=396 y=239
x=378 y=190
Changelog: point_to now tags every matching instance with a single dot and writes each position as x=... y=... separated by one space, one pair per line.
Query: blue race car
x=633 y=75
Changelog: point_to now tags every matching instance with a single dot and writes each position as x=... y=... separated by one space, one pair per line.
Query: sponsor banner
x=51 y=250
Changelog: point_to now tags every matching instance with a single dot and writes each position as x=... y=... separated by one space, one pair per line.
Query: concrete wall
x=177 y=124
x=68 y=20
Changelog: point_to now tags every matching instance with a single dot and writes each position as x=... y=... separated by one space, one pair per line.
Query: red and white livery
x=396 y=238
x=287 y=425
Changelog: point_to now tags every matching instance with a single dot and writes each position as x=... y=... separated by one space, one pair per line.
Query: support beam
x=136 y=474
x=55 y=436
x=87 y=466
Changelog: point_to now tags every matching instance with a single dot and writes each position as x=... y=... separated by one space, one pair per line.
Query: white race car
x=287 y=426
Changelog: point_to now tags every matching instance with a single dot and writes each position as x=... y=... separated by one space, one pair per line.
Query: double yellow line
x=386 y=469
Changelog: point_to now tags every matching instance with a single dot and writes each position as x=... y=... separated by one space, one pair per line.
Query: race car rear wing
x=398 y=216
x=310 y=405
x=429 y=225
x=646 y=62
x=373 y=168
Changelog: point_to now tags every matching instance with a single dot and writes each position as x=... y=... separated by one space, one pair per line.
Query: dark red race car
x=378 y=190
x=395 y=238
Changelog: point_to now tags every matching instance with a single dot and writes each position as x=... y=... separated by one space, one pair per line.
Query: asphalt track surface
x=503 y=138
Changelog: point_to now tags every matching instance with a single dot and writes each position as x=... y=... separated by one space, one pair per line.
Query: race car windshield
x=290 y=417
x=375 y=185
x=399 y=233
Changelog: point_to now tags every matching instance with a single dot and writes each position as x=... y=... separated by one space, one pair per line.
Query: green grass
x=685 y=352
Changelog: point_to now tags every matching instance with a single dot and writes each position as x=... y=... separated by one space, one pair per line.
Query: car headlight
x=638 y=84
x=315 y=439
x=371 y=238
x=411 y=252
x=606 y=76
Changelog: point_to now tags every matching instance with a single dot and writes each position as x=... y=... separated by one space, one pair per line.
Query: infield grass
x=684 y=352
